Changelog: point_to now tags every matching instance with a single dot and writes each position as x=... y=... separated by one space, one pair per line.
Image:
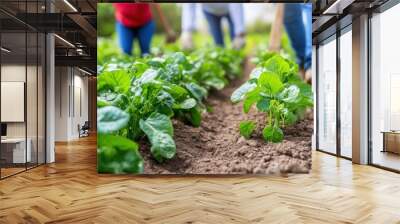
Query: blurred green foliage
x=254 y=42
x=106 y=18
x=256 y=39
x=258 y=26
x=172 y=13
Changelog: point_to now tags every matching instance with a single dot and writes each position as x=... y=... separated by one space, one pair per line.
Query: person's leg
x=297 y=20
x=307 y=10
x=125 y=37
x=231 y=27
x=214 y=24
x=145 y=34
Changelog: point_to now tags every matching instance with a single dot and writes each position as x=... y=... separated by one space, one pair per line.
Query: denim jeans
x=298 y=24
x=215 y=26
x=126 y=36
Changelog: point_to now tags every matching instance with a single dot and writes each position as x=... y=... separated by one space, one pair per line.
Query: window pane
x=386 y=88
x=327 y=97
x=14 y=153
x=345 y=94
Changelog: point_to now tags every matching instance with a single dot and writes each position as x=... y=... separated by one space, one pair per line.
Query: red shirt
x=132 y=14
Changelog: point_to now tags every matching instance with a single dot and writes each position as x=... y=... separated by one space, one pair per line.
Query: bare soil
x=216 y=147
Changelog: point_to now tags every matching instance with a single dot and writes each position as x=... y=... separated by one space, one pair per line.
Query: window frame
x=381 y=9
x=339 y=28
x=29 y=29
x=333 y=37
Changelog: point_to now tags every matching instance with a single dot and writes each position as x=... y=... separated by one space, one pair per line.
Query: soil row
x=216 y=147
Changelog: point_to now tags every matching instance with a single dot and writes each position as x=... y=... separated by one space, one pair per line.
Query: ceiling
x=74 y=22
x=330 y=15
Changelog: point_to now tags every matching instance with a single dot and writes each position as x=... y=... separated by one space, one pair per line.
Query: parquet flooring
x=70 y=191
x=11 y=170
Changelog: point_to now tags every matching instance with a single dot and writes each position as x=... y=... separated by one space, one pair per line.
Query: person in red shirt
x=135 y=21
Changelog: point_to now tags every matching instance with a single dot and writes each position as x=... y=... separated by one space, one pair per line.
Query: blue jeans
x=299 y=31
x=126 y=36
x=214 y=23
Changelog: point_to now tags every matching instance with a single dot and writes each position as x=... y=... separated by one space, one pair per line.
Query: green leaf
x=215 y=82
x=246 y=128
x=305 y=102
x=120 y=101
x=251 y=97
x=139 y=67
x=116 y=81
x=263 y=104
x=277 y=64
x=271 y=81
x=164 y=109
x=162 y=146
x=111 y=119
x=163 y=104
x=290 y=94
x=156 y=62
x=197 y=91
x=239 y=94
x=256 y=72
x=272 y=134
x=305 y=89
x=102 y=102
x=160 y=122
x=159 y=130
x=148 y=76
x=187 y=104
x=176 y=91
x=290 y=117
x=194 y=116
x=178 y=58
x=248 y=102
x=118 y=155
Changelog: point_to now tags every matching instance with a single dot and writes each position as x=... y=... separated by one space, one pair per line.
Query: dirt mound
x=216 y=147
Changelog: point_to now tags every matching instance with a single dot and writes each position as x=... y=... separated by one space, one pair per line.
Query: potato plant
x=276 y=89
x=138 y=97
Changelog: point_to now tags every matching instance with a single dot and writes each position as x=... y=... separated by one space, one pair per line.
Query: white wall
x=62 y=81
x=80 y=105
x=33 y=126
x=70 y=83
x=12 y=73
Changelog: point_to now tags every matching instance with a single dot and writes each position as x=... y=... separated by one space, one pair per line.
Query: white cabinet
x=18 y=149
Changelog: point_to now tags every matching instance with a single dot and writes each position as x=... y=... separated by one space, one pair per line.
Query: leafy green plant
x=138 y=97
x=159 y=130
x=115 y=154
x=246 y=128
x=111 y=119
x=276 y=89
x=214 y=66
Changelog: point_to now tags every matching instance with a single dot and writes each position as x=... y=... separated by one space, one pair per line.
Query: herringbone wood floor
x=70 y=191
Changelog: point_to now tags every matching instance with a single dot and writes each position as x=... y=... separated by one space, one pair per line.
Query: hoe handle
x=276 y=29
